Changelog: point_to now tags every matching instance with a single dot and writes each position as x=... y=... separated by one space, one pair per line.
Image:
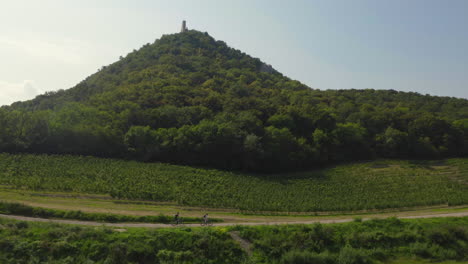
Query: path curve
x=148 y=225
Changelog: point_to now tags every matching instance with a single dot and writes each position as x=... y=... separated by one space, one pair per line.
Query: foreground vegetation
x=371 y=185
x=375 y=241
x=22 y=242
x=189 y=99
x=24 y=210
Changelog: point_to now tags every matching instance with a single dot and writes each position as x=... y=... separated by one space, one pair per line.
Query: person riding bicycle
x=176 y=218
x=205 y=219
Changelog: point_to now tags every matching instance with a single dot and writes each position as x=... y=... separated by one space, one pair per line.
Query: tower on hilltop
x=184 y=27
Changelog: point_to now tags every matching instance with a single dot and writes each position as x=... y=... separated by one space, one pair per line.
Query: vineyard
x=359 y=186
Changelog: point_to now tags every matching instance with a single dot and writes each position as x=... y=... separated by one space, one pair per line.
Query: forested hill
x=190 y=99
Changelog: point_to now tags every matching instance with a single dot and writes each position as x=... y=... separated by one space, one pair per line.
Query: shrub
x=21 y=225
x=350 y=255
x=117 y=254
x=167 y=256
x=306 y=257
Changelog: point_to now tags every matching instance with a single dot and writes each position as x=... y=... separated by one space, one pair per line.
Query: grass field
x=361 y=186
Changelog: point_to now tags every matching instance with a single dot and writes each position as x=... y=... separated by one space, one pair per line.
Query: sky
x=405 y=45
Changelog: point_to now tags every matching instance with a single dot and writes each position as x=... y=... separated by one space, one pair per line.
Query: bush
x=21 y=225
x=440 y=253
x=167 y=256
x=305 y=257
x=117 y=254
x=432 y=251
x=441 y=236
x=350 y=255
x=378 y=254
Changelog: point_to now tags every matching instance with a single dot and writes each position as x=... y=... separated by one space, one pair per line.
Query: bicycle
x=177 y=222
x=206 y=223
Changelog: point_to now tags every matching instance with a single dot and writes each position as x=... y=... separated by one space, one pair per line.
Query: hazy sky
x=408 y=45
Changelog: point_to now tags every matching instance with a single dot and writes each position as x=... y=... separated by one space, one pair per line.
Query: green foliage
x=393 y=142
x=24 y=210
x=373 y=241
x=350 y=255
x=46 y=243
x=189 y=99
x=306 y=257
x=428 y=240
x=371 y=185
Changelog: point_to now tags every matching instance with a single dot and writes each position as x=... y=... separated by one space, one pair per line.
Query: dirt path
x=148 y=225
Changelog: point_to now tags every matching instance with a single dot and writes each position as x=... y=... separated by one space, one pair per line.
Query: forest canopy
x=189 y=99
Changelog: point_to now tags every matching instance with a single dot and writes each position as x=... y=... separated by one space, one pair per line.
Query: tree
x=282 y=149
x=282 y=121
x=351 y=142
x=393 y=143
x=324 y=143
x=462 y=126
x=142 y=142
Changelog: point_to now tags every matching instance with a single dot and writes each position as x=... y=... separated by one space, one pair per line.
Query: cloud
x=13 y=92
x=68 y=51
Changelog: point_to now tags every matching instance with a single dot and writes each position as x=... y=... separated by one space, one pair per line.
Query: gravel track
x=148 y=225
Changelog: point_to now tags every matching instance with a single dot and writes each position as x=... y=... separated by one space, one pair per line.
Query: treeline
x=189 y=99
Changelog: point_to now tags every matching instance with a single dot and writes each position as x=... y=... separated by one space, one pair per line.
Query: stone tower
x=184 y=27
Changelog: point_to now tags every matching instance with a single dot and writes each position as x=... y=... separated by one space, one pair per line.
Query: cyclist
x=205 y=219
x=177 y=218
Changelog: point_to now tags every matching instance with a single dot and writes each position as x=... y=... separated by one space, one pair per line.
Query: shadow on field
x=427 y=164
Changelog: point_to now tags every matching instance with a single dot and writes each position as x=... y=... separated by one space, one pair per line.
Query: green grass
x=360 y=186
x=25 y=210
x=104 y=204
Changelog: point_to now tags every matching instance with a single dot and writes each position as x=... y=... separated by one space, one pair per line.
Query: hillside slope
x=189 y=99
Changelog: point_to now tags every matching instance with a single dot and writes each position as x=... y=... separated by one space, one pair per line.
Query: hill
x=189 y=99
